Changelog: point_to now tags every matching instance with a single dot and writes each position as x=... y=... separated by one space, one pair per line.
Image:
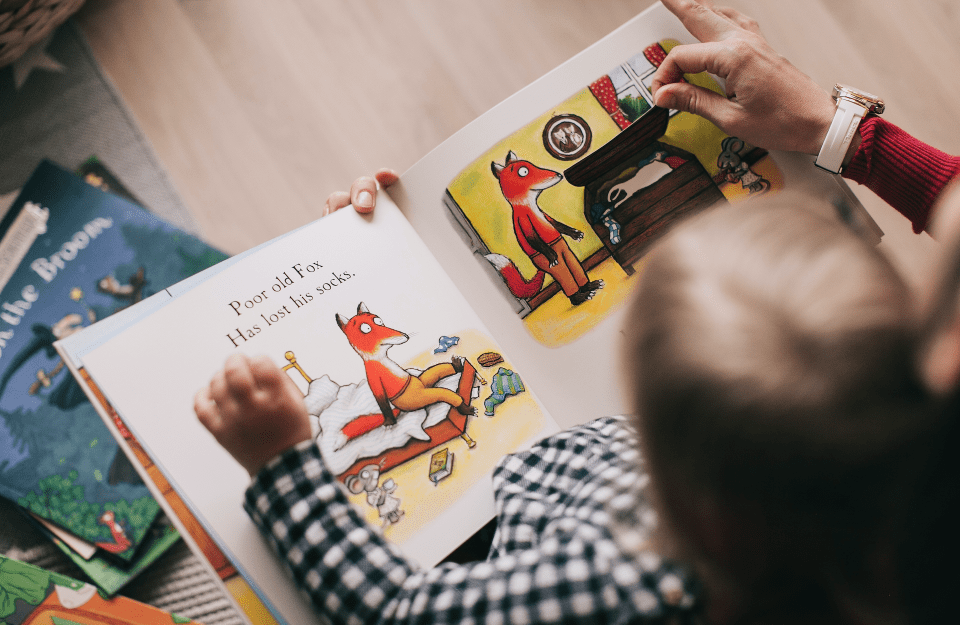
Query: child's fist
x=254 y=410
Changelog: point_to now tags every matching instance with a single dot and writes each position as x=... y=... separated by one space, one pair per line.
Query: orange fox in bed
x=391 y=383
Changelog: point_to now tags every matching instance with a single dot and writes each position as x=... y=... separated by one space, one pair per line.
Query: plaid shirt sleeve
x=572 y=523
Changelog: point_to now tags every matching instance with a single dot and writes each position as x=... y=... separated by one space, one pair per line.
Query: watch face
x=869 y=101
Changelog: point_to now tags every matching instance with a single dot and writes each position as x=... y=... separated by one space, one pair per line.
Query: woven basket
x=25 y=22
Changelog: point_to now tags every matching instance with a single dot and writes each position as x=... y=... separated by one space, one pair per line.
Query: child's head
x=930 y=544
x=774 y=391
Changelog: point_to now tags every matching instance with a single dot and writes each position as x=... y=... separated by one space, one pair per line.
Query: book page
x=251 y=600
x=372 y=276
x=546 y=204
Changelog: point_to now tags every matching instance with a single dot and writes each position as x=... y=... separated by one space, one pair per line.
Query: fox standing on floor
x=389 y=382
x=540 y=235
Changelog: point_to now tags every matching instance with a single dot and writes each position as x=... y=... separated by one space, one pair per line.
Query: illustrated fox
x=389 y=382
x=541 y=236
x=519 y=286
x=120 y=541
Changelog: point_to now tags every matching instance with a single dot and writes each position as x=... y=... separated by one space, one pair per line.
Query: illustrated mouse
x=380 y=497
x=734 y=169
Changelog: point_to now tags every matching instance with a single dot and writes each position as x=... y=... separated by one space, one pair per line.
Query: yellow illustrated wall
x=477 y=191
x=554 y=321
x=692 y=133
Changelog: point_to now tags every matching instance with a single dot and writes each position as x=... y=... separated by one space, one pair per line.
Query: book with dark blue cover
x=71 y=254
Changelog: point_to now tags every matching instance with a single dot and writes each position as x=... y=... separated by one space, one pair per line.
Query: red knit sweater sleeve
x=906 y=173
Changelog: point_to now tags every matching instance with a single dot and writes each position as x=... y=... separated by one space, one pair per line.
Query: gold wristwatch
x=852 y=106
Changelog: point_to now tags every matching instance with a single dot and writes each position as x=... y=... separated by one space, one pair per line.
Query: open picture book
x=479 y=309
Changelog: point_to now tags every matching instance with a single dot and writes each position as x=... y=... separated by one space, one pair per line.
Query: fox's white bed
x=350 y=431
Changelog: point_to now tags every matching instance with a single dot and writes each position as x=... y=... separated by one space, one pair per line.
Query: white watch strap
x=841 y=133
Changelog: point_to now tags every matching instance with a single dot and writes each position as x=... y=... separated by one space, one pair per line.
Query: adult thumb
x=683 y=96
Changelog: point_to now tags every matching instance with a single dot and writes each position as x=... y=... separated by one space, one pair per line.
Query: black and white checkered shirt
x=572 y=523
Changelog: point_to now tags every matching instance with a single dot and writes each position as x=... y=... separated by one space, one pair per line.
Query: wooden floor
x=260 y=109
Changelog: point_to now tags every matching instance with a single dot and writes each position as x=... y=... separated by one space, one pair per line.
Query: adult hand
x=769 y=103
x=362 y=194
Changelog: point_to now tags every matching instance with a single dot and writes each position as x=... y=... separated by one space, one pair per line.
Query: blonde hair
x=774 y=384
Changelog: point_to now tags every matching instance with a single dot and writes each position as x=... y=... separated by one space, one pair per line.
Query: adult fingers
x=336 y=201
x=690 y=59
x=700 y=19
x=697 y=100
x=363 y=194
x=743 y=21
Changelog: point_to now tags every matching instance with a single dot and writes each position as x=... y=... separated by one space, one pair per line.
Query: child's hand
x=254 y=410
x=363 y=193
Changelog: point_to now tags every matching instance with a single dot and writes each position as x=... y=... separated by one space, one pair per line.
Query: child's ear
x=940 y=360
x=939 y=354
